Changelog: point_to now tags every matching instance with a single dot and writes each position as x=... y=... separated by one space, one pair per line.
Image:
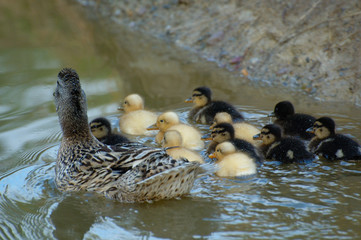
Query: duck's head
x=71 y=106
x=131 y=103
x=283 y=110
x=222 y=150
x=100 y=127
x=323 y=127
x=269 y=134
x=172 y=138
x=222 y=132
x=165 y=121
x=201 y=96
x=221 y=117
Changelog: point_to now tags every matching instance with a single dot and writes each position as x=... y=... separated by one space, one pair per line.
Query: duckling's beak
x=152 y=127
x=206 y=137
x=188 y=100
x=120 y=108
x=310 y=130
x=212 y=126
x=272 y=114
x=212 y=156
x=257 y=137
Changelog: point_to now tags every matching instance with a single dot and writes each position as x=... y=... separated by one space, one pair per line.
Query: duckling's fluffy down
x=136 y=122
x=236 y=165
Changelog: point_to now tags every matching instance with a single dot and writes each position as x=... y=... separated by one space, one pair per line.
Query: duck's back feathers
x=248 y=148
x=288 y=150
x=206 y=114
x=337 y=147
x=296 y=125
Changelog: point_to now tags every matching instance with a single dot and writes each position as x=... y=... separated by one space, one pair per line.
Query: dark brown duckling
x=293 y=124
x=205 y=109
x=330 y=145
x=102 y=130
x=283 y=149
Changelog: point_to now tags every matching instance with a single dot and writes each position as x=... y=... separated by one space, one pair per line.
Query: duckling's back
x=235 y=165
x=206 y=114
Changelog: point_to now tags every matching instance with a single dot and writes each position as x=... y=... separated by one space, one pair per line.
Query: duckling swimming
x=102 y=130
x=173 y=143
x=293 y=124
x=242 y=130
x=225 y=132
x=232 y=163
x=330 y=145
x=170 y=121
x=135 y=119
x=205 y=109
x=285 y=150
x=127 y=172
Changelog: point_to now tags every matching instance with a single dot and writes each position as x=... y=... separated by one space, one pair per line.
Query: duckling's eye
x=223 y=134
x=101 y=128
x=320 y=129
x=125 y=102
x=161 y=120
x=268 y=137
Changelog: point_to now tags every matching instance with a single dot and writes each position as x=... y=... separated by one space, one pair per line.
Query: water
x=314 y=201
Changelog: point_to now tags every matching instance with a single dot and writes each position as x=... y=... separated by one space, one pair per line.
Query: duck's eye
x=101 y=128
x=223 y=134
x=125 y=102
x=320 y=129
x=161 y=120
x=268 y=137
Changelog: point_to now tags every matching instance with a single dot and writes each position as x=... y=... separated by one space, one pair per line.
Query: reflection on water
x=318 y=200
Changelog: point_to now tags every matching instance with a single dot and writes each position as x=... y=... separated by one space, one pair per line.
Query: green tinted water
x=320 y=200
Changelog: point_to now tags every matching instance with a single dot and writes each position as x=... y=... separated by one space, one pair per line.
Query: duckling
x=225 y=132
x=242 y=130
x=127 y=172
x=330 y=145
x=170 y=121
x=283 y=149
x=135 y=119
x=173 y=143
x=232 y=163
x=102 y=130
x=205 y=109
x=293 y=124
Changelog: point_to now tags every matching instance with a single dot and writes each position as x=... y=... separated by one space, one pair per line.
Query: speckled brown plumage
x=127 y=172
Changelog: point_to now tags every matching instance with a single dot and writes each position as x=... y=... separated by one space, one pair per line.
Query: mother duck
x=127 y=172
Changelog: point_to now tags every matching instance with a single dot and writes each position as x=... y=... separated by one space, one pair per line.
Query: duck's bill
x=272 y=114
x=257 y=137
x=188 y=100
x=152 y=127
x=212 y=156
x=206 y=137
x=310 y=130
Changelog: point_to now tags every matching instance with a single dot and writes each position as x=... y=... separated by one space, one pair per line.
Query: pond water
x=314 y=201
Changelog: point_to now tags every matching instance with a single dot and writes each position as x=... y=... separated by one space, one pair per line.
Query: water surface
x=314 y=201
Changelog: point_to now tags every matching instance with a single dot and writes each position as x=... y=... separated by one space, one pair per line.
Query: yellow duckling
x=170 y=121
x=135 y=119
x=173 y=142
x=232 y=163
x=242 y=130
x=127 y=172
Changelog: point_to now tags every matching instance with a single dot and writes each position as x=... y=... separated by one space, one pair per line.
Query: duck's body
x=205 y=109
x=135 y=119
x=330 y=145
x=127 y=172
x=101 y=129
x=191 y=137
x=283 y=149
x=242 y=130
x=232 y=163
x=173 y=143
x=225 y=132
x=293 y=124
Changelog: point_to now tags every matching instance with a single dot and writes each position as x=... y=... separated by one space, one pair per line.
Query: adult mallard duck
x=205 y=108
x=330 y=145
x=135 y=119
x=127 y=172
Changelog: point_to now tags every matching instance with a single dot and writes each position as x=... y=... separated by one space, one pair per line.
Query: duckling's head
x=71 y=106
x=283 y=110
x=269 y=134
x=131 y=103
x=223 y=149
x=323 y=127
x=201 y=96
x=100 y=127
x=172 y=138
x=222 y=132
x=221 y=117
x=166 y=120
